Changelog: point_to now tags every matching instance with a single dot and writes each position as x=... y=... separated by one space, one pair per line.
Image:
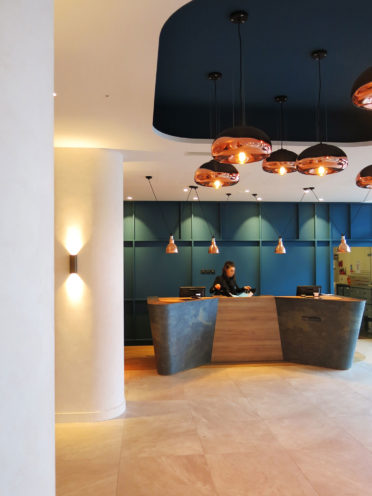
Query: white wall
x=26 y=249
x=89 y=306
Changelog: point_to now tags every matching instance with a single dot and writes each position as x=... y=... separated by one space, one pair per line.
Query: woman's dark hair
x=226 y=266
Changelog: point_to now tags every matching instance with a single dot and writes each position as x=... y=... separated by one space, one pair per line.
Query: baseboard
x=97 y=416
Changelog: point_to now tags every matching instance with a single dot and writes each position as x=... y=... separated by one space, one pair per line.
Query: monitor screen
x=192 y=291
x=308 y=290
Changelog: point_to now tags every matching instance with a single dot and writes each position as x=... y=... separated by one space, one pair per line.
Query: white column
x=89 y=304
x=26 y=249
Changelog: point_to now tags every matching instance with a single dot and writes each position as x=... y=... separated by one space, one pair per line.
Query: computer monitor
x=192 y=291
x=308 y=290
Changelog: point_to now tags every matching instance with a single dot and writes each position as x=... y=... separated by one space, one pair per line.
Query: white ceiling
x=110 y=48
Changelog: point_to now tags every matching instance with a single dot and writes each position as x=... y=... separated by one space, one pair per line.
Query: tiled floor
x=235 y=430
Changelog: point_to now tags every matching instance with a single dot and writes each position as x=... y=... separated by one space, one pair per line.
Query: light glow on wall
x=74 y=287
x=74 y=240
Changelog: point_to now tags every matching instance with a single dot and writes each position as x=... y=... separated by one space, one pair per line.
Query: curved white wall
x=89 y=306
x=26 y=249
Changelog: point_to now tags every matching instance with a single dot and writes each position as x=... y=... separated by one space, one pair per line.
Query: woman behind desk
x=225 y=284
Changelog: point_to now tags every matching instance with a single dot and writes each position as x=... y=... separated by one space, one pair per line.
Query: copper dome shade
x=241 y=145
x=321 y=160
x=364 y=178
x=216 y=175
x=361 y=93
x=280 y=162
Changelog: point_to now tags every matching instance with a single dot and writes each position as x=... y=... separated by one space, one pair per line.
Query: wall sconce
x=73 y=264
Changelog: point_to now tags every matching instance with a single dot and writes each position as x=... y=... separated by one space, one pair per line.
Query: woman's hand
x=247 y=288
x=217 y=286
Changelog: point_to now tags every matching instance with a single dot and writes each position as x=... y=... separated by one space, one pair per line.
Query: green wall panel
x=240 y=221
x=205 y=221
x=306 y=221
x=279 y=219
x=322 y=227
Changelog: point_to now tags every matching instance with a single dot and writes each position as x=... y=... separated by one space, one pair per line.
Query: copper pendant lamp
x=281 y=161
x=216 y=175
x=241 y=144
x=171 y=246
x=343 y=247
x=364 y=178
x=361 y=93
x=321 y=159
x=213 y=248
x=213 y=174
x=280 y=248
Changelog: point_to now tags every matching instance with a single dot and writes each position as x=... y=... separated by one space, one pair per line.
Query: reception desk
x=320 y=331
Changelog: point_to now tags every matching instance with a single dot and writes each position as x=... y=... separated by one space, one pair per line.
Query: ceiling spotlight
x=321 y=199
x=54 y=94
x=185 y=190
x=129 y=197
x=259 y=198
x=246 y=191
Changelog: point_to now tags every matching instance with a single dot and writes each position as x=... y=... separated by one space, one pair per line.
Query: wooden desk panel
x=247 y=330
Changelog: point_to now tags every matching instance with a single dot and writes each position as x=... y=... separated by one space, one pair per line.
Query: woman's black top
x=228 y=286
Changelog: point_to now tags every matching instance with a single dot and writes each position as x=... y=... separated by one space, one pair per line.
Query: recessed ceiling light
x=321 y=199
x=259 y=198
x=185 y=190
x=195 y=198
x=306 y=190
x=247 y=191
x=129 y=197
x=54 y=94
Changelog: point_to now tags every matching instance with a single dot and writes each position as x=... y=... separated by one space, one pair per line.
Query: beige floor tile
x=165 y=476
x=340 y=401
x=275 y=400
x=359 y=427
x=304 y=431
x=260 y=473
x=173 y=434
x=209 y=383
x=217 y=409
x=88 y=456
x=339 y=467
x=229 y=436
x=136 y=409
x=154 y=388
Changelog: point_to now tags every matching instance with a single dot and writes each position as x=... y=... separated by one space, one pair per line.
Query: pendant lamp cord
x=281 y=124
x=320 y=134
x=202 y=212
x=159 y=206
x=242 y=102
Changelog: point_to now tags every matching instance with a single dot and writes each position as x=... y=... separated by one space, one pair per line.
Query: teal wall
x=246 y=233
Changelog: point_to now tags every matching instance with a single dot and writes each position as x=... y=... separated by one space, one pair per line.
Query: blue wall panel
x=240 y=221
x=246 y=233
x=159 y=274
x=281 y=274
x=245 y=256
x=279 y=219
